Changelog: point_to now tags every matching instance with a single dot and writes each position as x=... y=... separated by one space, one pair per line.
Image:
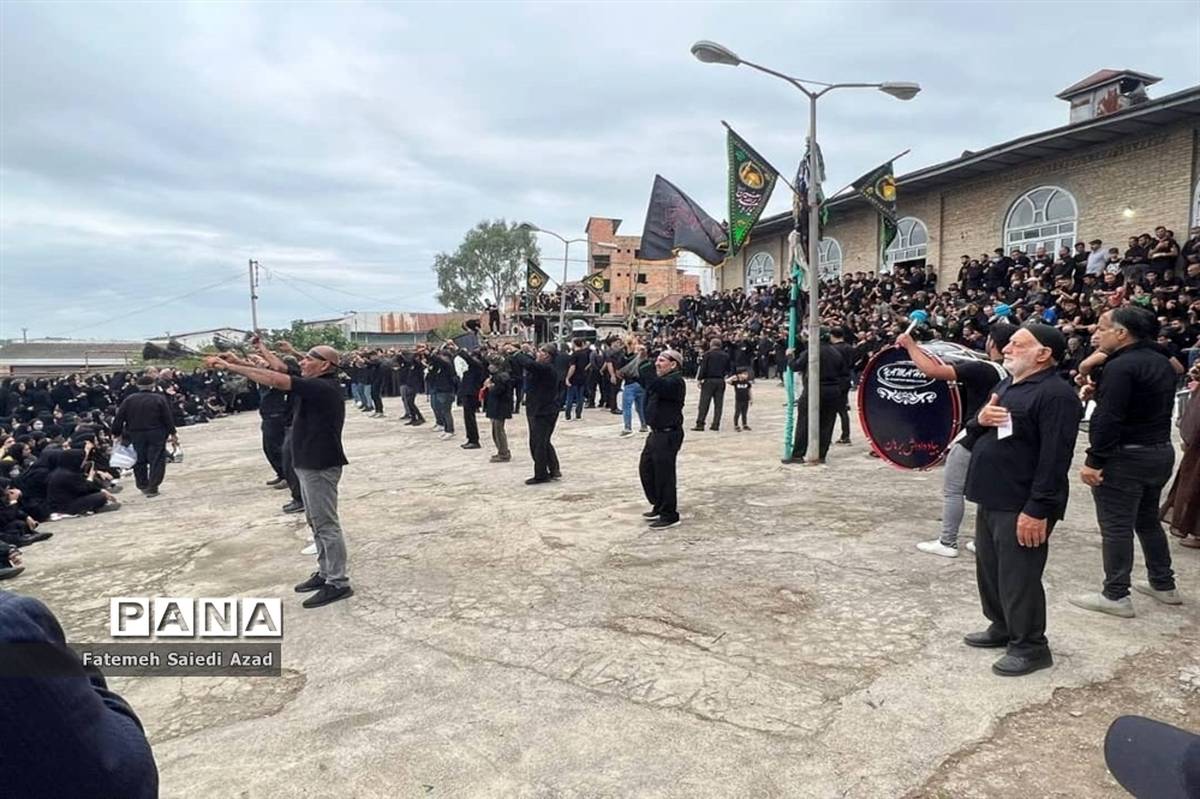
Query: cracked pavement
x=508 y=640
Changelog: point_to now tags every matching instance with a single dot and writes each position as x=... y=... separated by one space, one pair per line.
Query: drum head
x=909 y=419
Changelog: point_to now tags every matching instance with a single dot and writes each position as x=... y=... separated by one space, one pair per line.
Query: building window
x=829 y=259
x=639 y=300
x=600 y=262
x=1196 y=205
x=760 y=270
x=910 y=244
x=1046 y=216
x=642 y=277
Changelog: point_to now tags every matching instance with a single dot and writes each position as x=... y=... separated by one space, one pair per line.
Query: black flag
x=675 y=222
x=535 y=278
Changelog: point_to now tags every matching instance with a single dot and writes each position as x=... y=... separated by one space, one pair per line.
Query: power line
x=145 y=308
x=287 y=276
x=291 y=284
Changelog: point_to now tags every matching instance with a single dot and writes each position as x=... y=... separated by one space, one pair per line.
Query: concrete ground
x=787 y=640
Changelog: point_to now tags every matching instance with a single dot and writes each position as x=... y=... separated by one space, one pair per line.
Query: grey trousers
x=500 y=437
x=954 y=486
x=319 y=489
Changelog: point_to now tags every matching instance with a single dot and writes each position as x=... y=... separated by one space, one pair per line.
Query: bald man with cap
x=665 y=388
x=1024 y=439
x=317 y=455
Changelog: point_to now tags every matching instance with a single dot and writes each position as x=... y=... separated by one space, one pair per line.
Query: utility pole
x=253 y=296
x=24 y=337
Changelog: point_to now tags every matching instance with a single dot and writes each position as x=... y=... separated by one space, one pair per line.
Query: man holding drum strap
x=975 y=380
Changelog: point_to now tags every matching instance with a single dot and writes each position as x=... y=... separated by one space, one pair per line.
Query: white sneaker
x=1169 y=597
x=936 y=547
x=971 y=547
x=626 y=433
x=1098 y=602
x=446 y=436
x=311 y=549
x=437 y=428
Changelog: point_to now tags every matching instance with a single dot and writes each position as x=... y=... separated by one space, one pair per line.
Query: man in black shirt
x=1130 y=459
x=541 y=409
x=145 y=420
x=714 y=368
x=665 y=392
x=829 y=388
x=837 y=337
x=320 y=413
x=275 y=413
x=975 y=380
x=1024 y=440
x=577 y=378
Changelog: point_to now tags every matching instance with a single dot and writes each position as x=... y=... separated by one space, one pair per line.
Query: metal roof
x=1137 y=120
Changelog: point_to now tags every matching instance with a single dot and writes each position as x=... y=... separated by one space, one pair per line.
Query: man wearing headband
x=665 y=392
x=317 y=455
x=1024 y=441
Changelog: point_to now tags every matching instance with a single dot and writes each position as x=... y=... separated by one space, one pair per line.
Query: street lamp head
x=529 y=226
x=713 y=53
x=900 y=89
x=607 y=245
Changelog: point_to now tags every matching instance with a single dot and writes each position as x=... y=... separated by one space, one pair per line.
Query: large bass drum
x=910 y=419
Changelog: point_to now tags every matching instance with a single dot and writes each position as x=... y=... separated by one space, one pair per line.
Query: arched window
x=760 y=270
x=910 y=244
x=829 y=259
x=1196 y=205
x=1046 y=216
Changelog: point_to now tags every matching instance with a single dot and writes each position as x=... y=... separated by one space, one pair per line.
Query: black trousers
x=712 y=389
x=289 y=468
x=469 y=408
x=151 y=465
x=828 y=413
x=409 y=397
x=1127 y=504
x=657 y=471
x=545 y=459
x=377 y=396
x=1010 y=583
x=741 y=407
x=273 y=430
x=88 y=503
x=609 y=390
x=844 y=411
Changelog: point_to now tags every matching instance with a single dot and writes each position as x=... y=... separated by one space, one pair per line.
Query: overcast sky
x=148 y=150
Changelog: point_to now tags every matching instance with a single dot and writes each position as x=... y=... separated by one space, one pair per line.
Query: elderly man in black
x=145 y=420
x=1130 y=459
x=665 y=392
x=541 y=409
x=1024 y=438
x=715 y=366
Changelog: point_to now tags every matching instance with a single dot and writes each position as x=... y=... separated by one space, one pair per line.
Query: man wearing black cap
x=1131 y=459
x=1024 y=440
x=145 y=420
x=665 y=392
x=542 y=404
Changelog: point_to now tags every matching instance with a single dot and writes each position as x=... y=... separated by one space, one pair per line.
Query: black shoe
x=556 y=476
x=150 y=492
x=1016 y=666
x=715 y=429
x=311 y=584
x=8 y=572
x=699 y=428
x=326 y=594
x=651 y=514
x=532 y=481
x=294 y=507
x=418 y=423
x=843 y=441
x=276 y=481
x=471 y=445
x=746 y=427
x=663 y=522
x=282 y=484
x=985 y=640
x=33 y=538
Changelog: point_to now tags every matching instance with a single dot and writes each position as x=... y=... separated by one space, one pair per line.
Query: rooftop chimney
x=1106 y=92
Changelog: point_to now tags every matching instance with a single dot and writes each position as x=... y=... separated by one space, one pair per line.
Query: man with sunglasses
x=318 y=456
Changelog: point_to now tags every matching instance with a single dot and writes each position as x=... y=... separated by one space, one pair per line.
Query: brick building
x=1122 y=165
x=627 y=277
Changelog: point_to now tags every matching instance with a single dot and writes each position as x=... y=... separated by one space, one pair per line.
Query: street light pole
x=253 y=266
x=562 y=287
x=713 y=53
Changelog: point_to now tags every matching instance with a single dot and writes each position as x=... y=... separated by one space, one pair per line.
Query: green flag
x=878 y=187
x=535 y=278
x=751 y=181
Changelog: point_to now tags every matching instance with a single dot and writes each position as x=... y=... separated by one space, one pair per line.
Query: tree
x=305 y=338
x=488 y=265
